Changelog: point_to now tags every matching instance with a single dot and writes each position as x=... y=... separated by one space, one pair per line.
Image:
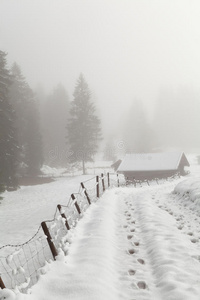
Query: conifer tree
x=27 y=124
x=84 y=130
x=34 y=152
x=55 y=114
x=8 y=145
x=138 y=135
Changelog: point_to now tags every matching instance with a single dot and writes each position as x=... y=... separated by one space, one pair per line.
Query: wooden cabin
x=141 y=166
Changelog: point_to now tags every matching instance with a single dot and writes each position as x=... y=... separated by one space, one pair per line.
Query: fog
x=129 y=51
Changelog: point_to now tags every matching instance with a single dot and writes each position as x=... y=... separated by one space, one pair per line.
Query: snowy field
x=133 y=243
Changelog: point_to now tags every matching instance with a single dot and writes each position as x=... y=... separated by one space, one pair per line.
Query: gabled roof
x=153 y=161
x=116 y=164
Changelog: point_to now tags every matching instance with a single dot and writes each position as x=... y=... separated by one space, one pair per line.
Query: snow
x=150 y=161
x=133 y=243
x=190 y=190
x=22 y=211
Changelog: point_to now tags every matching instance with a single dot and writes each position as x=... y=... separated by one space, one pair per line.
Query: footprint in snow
x=132 y=230
x=136 y=244
x=141 y=261
x=131 y=272
x=142 y=285
x=131 y=251
x=190 y=233
x=129 y=237
x=194 y=240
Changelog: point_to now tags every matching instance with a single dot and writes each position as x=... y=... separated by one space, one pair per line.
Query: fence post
x=108 y=179
x=76 y=204
x=117 y=179
x=85 y=192
x=103 y=184
x=63 y=215
x=97 y=185
x=51 y=244
x=2 y=285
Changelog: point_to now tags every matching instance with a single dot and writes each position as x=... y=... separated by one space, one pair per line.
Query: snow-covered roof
x=152 y=161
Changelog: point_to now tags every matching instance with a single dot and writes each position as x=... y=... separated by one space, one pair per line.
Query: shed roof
x=153 y=161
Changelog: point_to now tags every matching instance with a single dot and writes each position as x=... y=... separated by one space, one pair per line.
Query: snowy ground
x=22 y=211
x=137 y=244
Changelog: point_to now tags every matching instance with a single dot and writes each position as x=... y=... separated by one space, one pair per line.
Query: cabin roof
x=116 y=164
x=153 y=161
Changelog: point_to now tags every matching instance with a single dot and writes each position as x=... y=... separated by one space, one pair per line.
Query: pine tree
x=110 y=151
x=27 y=124
x=33 y=147
x=138 y=135
x=8 y=145
x=84 y=130
x=55 y=114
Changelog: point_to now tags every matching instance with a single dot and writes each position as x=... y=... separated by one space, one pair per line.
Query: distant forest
x=52 y=129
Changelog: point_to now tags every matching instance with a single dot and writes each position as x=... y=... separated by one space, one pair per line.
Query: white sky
x=125 y=48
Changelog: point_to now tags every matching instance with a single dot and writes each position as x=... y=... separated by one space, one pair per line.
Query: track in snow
x=133 y=244
x=163 y=253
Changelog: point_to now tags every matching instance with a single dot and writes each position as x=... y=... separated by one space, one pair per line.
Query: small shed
x=141 y=166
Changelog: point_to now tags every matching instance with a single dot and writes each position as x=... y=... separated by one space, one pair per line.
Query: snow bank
x=189 y=189
x=127 y=246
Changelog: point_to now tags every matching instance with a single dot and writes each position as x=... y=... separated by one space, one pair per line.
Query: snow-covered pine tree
x=84 y=131
x=8 y=144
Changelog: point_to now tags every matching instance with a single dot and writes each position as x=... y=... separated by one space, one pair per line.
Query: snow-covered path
x=132 y=244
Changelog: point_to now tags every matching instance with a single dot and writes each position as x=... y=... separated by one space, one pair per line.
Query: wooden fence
x=25 y=263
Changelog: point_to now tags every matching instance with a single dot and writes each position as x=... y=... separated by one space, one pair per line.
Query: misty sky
x=126 y=49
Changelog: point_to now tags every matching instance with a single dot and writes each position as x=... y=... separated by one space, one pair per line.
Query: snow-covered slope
x=133 y=243
x=22 y=211
x=129 y=245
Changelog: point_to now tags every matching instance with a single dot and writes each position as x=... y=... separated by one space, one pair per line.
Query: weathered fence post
x=85 y=192
x=103 y=184
x=108 y=175
x=117 y=179
x=97 y=185
x=2 y=285
x=76 y=204
x=63 y=215
x=51 y=244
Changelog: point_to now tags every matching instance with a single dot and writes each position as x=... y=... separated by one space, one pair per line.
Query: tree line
x=34 y=131
x=174 y=125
